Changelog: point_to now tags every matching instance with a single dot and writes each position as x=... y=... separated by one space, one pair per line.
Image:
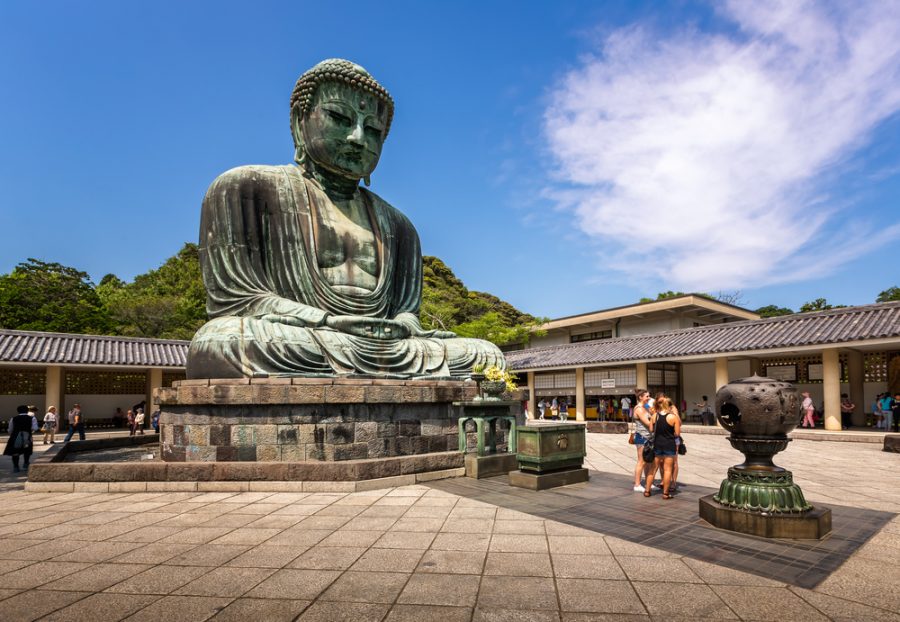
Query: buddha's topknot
x=339 y=70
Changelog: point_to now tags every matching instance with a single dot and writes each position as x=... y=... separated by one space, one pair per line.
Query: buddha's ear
x=297 y=133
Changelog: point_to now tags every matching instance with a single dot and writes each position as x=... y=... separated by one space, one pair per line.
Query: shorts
x=664 y=453
x=639 y=440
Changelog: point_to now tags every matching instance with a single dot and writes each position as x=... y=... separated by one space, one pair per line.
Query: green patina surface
x=543 y=449
x=309 y=274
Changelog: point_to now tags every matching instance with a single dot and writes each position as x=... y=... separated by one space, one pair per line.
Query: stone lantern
x=759 y=497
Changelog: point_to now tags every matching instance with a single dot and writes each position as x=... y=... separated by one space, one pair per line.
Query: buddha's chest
x=346 y=248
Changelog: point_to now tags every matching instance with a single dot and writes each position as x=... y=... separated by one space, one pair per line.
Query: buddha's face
x=344 y=130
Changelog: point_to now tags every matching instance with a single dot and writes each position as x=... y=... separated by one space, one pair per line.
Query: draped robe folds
x=258 y=257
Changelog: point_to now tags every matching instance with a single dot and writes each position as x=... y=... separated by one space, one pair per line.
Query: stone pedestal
x=812 y=524
x=542 y=481
x=607 y=427
x=892 y=443
x=307 y=419
x=478 y=467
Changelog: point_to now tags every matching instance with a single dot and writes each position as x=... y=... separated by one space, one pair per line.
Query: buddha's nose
x=356 y=136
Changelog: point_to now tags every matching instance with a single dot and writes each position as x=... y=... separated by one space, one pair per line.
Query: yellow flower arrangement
x=495 y=374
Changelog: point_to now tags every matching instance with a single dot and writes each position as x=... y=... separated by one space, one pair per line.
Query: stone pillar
x=641 y=382
x=857 y=377
x=579 y=394
x=831 y=388
x=532 y=400
x=55 y=392
x=154 y=381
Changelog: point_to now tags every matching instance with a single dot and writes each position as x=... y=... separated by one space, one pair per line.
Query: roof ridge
x=87 y=336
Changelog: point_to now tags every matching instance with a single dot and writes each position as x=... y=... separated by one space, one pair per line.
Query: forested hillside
x=170 y=302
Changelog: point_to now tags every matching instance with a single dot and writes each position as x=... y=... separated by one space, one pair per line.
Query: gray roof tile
x=836 y=326
x=18 y=346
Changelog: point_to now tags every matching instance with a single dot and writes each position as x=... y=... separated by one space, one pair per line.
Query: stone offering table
x=550 y=456
x=487 y=415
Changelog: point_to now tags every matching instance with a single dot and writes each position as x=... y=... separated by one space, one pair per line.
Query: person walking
x=554 y=408
x=808 y=410
x=139 y=420
x=130 y=416
x=563 y=410
x=542 y=406
x=21 y=437
x=847 y=408
x=626 y=407
x=641 y=434
x=50 y=425
x=666 y=427
x=706 y=415
x=76 y=424
x=887 y=411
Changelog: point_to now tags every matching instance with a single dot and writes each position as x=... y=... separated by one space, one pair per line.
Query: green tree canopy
x=166 y=303
x=819 y=304
x=773 y=311
x=891 y=293
x=51 y=297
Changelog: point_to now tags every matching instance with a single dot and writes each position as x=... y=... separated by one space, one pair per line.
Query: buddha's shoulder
x=253 y=175
x=387 y=208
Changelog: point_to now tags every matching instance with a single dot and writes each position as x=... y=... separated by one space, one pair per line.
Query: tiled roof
x=18 y=346
x=851 y=324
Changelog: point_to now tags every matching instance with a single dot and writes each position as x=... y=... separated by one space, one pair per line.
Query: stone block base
x=814 y=524
x=478 y=467
x=542 y=481
x=307 y=419
x=892 y=443
x=607 y=427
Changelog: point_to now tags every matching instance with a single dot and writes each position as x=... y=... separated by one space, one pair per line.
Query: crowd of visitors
x=657 y=440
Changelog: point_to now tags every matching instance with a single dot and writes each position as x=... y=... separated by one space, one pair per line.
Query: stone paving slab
x=421 y=553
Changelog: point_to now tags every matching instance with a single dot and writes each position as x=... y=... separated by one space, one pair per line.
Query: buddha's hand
x=433 y=334
x=372 y=327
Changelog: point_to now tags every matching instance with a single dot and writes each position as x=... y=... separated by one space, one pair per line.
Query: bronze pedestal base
x=814 y=524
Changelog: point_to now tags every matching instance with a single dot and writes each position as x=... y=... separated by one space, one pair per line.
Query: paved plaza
x=484 y=552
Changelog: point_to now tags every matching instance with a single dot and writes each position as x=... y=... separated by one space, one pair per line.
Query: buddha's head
x=340 y=117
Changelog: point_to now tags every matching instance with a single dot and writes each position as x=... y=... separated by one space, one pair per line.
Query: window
x=600 y=334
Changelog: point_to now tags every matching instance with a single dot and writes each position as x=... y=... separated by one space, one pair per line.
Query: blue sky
x=564 y=156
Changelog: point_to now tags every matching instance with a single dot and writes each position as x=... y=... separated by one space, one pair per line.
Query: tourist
x=674 y=409
x=50 y=425
x=808 y=410
x=666 y=427
x=626 y=408
x=563 y=410
x=641 y=433
x=21 y=439
x=154 y=418
x=847 y=408
x=887 y=411
x=130 y=417
x=554 y=408
x=706 y=414
x=139 y=420
x=76 y=423
x=876 y=412
x=895 y=410
x=542 y=406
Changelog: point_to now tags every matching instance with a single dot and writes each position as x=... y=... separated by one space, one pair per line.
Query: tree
x=773 y=311
x=44 y=296
x=891 y=293
x=819 y=304
x=166 y=303
x=663 y=296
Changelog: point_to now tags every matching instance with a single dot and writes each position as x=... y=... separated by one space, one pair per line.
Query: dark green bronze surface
x=767 y=491
x=542 y=449
x=307 y=273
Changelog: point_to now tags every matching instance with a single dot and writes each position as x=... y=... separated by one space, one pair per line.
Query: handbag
x=682 y=448
x=631 y=439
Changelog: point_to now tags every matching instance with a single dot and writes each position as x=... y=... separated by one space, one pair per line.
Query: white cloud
x=718 y=148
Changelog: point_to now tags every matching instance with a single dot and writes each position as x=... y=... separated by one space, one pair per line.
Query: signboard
x=815 y=371
x=608 y=383
x=785 y=373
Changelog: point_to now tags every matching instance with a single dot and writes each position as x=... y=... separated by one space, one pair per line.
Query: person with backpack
x=21 y=436
x=563 y=409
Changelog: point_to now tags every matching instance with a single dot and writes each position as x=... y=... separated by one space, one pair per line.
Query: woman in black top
x=666 y=424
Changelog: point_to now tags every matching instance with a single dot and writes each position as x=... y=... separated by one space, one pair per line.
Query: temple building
x=689 y=346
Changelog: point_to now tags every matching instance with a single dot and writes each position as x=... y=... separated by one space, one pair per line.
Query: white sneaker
x=656 y=487
x=638 y=489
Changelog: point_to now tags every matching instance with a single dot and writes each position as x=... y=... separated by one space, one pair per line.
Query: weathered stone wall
x=296 y=420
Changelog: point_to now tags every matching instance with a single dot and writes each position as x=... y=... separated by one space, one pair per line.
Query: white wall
x=554 y=338
x=629 y=327
x=8 y=405
x=738 y=369
x=697 y=380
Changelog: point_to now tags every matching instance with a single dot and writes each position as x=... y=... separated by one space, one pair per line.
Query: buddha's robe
x=258 y=257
